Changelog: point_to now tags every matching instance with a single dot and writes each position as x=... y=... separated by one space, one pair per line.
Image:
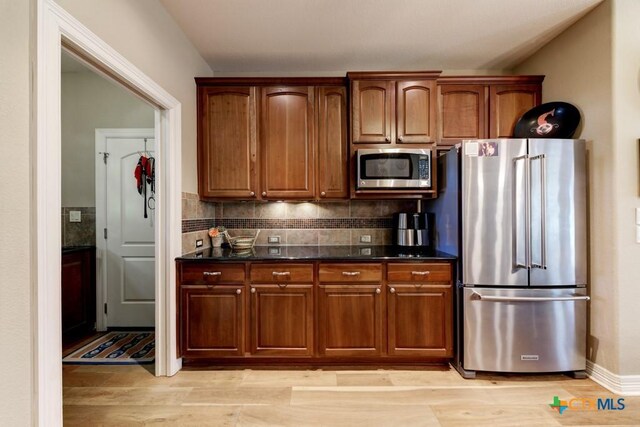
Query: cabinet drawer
x=207 y=274
x=418 y=272
x=279 y=273
x=350 y=272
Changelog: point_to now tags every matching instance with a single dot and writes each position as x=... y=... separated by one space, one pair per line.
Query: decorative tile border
x=191 y=225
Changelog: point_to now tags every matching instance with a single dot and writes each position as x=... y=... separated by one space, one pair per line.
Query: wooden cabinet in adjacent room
x=78 y=293
x=479 y=107
x=227 y=137
x=393 y=108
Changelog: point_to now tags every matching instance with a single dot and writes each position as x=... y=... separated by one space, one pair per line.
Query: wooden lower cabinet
x=213 y=321
x=78 y=293
x=314 y=312
x=419 y=320
x=282 y=320
x=350 y=320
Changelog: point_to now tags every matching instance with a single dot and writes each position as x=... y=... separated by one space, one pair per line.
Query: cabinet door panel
x=282 y=320
x=213 y=321
x=78 y=294
x=463 y=113
x=416 y=101
x=349 y=320
x=372 y=112
x=420 y=321
x=332 y=142
x=507 y=104
x=227 y=142
x=287 y=142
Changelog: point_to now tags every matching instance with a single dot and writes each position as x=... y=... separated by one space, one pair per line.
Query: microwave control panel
x=423 y=168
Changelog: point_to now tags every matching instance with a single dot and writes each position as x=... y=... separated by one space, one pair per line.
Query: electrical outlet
x=275 y=251
x=365 y=238
x=75 y=216
x=273 y=239
x=199 y=243
x=365 y=251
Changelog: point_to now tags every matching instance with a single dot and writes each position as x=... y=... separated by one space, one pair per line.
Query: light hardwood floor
x=131 y=395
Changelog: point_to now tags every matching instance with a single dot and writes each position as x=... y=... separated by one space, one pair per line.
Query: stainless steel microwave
x=393 y=168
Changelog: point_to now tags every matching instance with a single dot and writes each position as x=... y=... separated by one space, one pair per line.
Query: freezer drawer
x=525 y=330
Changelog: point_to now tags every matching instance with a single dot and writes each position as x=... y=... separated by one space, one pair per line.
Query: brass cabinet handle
x=252 y=194
x=392 y=290
x=212 y=273
x=400 y=138
x=420 y=273
x=238 y=291
x=322 y=193
x=264 y=193
x=378 y=291
x=281 y=273
x=282 y=285
x=253 y=290
x=350 y=273
x=387 y=138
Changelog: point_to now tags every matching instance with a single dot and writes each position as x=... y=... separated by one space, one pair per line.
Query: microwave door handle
x=515 y=194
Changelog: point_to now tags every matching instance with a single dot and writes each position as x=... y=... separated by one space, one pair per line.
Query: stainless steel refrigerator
x=522 y=242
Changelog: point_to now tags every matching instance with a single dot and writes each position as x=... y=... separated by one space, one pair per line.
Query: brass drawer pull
x=378 y=291
x=420 y=273
x=282 y=285
x=281 y=273
x=253 y=290
x=392 y=290
x=238 y=291
x=350 y=273
x=212 y=273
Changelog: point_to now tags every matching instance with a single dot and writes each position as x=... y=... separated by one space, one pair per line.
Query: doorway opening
x=56 y=30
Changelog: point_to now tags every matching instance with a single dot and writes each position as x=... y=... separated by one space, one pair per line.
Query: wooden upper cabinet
x=416 y=111
x=372 y=111
x=287 y=142
x=462 y=113
x=227 y=142
x=333 y=179
x=508 y=103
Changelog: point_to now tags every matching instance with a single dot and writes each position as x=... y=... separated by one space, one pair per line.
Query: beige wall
x=595 y=65
x=15 y=292
x=626 y=119
x=90 y=101
x=144 y=33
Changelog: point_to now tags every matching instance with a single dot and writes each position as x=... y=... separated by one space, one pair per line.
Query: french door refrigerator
x=523 y=249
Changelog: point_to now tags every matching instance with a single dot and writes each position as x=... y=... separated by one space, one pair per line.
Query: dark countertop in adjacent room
x=320 y=253
x=69 y=249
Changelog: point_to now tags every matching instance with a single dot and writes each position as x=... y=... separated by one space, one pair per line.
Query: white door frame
x=101 y=213
x=52 y=28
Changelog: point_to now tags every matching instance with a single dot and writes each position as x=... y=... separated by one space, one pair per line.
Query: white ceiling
x=262 y=36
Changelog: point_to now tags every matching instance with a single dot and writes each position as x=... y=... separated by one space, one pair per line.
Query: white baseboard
x=625 y=385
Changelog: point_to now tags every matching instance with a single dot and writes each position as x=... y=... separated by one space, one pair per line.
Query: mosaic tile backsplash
x=307 y=223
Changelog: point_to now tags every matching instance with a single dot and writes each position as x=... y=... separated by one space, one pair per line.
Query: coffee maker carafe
x=413 y=229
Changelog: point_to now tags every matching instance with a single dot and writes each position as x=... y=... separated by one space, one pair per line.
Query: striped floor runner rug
x=116 y=348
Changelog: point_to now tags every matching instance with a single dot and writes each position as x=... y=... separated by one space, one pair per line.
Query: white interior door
x=129 y=256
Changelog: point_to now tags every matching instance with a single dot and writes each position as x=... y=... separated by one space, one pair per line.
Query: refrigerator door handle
x=480 y=297
x=543 y=212
x=514 y=214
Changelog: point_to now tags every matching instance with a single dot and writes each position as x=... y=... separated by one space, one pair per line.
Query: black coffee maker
x=414 y=229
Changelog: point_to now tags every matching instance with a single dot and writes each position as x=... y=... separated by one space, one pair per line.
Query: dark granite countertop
x=311 y=253
x=69 y=249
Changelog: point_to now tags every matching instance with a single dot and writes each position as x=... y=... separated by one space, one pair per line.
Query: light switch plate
x=273 y=239
x=75 y=216
x=365 y=238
